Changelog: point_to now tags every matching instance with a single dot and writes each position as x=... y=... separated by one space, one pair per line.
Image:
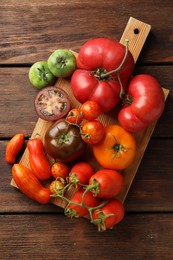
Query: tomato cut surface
x=52 y=103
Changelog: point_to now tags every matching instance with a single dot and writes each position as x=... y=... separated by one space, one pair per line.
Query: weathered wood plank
x=38 y=237
x=45 y=26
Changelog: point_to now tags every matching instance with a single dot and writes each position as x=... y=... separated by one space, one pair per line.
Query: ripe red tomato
x=74 y=116
x=80 y=173
x=13 y=147
x=92 y=132
x=145 y=103
x=90 y=81
x=106 y=183
x=38 y=160
x=28 y=183
x=90 y=110
x=78 y=206
x=109 y=215
x=60 y=170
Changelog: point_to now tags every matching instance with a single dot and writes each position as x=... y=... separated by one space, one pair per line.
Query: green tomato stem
x=121 y=65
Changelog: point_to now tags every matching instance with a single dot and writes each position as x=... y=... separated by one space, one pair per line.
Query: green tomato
x=40 y=75
x=62 y=63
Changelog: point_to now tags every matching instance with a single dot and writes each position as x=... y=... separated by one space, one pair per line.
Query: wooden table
x=30 y=31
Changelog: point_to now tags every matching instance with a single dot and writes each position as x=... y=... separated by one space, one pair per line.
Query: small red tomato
x=92 y=132
x=59 y=169
x=13 y=148
x=90 y=110
x=74 y=116
x=109 y=215
x=56 y=186
x=85 y=200
x=80 y=173
x=106 y=183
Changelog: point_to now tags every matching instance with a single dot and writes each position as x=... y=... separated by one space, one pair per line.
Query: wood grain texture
x=48 y=237
x=30 y=31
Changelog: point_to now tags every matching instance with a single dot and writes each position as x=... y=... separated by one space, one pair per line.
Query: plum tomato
x=79 y=203
x=60 y=170
x=40 y=75
x=80 y=173
x=74 y=116
x=52 y=103
x=108 y=215
x=92 y=132
x=62 y=63
x=90 y=110
x=106 y=183
x=63 y=142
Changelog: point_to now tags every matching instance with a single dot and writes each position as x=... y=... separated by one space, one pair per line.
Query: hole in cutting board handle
x=136 y=31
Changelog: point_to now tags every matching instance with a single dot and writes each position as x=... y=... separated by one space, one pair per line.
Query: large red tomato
x=90 y=81
x=145 y=103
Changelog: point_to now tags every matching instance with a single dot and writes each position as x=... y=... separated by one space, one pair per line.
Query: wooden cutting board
x=136 y=32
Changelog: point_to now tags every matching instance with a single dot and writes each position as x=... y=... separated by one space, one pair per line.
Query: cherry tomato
x=116 y=150
x=56 y=186
x=40 y=75
x=13 y=147
x=63 y=142
x=109 y=215
x=91 y=81
x=144 y=104
x=106 y=183
x=90 y=110
x=62 y=63
x=74 y=116
x=75 y=210
x=52 y=103
x=80 y=173
x=92 y=132
x=38 y=160
x=60 y=169
x=28 y=183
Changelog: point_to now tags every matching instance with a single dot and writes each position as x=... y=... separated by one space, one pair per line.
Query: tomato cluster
x=94 y=196
x=101 y=78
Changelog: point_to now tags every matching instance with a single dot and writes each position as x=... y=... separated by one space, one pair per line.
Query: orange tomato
x=116 y=150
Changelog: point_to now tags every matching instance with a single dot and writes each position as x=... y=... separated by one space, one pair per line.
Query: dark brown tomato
x=63 y=142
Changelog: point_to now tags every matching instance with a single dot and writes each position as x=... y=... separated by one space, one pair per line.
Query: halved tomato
x=52 y=103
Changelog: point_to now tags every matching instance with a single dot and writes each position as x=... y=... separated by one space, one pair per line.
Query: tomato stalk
x=118 y=149
x=105 y=75
x=72 y=213
x=100 y=220
x=94 y=187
